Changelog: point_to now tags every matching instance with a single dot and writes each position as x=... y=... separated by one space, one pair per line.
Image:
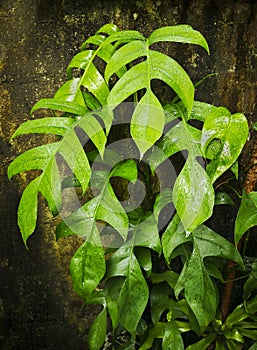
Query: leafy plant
x=158 y=274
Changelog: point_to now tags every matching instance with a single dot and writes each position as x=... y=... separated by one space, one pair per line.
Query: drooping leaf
x=193 y=194
x=87 y=267
x=133 y=295
x=112 y=290
x=97 y=331
x=200 y=292
x=232 y=131
x=246 y=216
x=147 y=122
x=27 y=211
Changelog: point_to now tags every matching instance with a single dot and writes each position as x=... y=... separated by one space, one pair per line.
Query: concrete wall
x=38 y=309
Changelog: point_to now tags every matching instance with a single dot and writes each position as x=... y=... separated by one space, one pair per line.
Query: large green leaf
x=200 y=291
x=44 y=158
x=193 y=194
x=231 y=131
x=133 y=295
x=246 y=216
x=148 y=118
x=180 y=33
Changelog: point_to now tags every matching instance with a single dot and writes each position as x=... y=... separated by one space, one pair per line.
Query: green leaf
x=157 y=66
x=200 y=292
x=254 y=346
x=134 y=291
x=178 y=33
x=87 y=267
x=160 y=301
x=97 y=331
x=64 y=106
x=222 y=198
x=112 y=290
x=126 y=170
x=246 y=215
x=170 y=277
x=193 y=194
x=232 y=131
x=55 y=126
x=156 y=332
x=27 y=211
x=147 y=122
x=133 y=297
x=173 y=236
x=144 y=258
x=172 y=338
x=203 y=343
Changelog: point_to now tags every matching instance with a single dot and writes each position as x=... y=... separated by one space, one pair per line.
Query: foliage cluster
x=156 y=282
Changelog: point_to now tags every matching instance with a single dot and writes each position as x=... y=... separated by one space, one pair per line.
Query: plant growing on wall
x=148 y=256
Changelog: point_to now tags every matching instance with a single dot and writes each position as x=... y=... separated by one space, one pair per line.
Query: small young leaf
x=97 y=331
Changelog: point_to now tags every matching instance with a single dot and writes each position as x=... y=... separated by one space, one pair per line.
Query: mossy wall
x=38 y=309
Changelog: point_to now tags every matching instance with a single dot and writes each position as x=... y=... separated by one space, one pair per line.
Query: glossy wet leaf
x=160 y=301
x=193 y=194
x=172 y=337
x=203 y=343
x=232 y=131
x=179 y=33
x=200 y=292
x=59 y=105
x=87 y=267
x=97 y=331
x=133 y=295
x=246 y=216
x=222 y=198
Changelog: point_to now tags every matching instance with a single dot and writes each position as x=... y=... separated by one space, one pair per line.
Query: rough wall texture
x=38 y=309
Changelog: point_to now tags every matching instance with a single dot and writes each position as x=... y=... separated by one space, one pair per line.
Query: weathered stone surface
x=38 y=309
